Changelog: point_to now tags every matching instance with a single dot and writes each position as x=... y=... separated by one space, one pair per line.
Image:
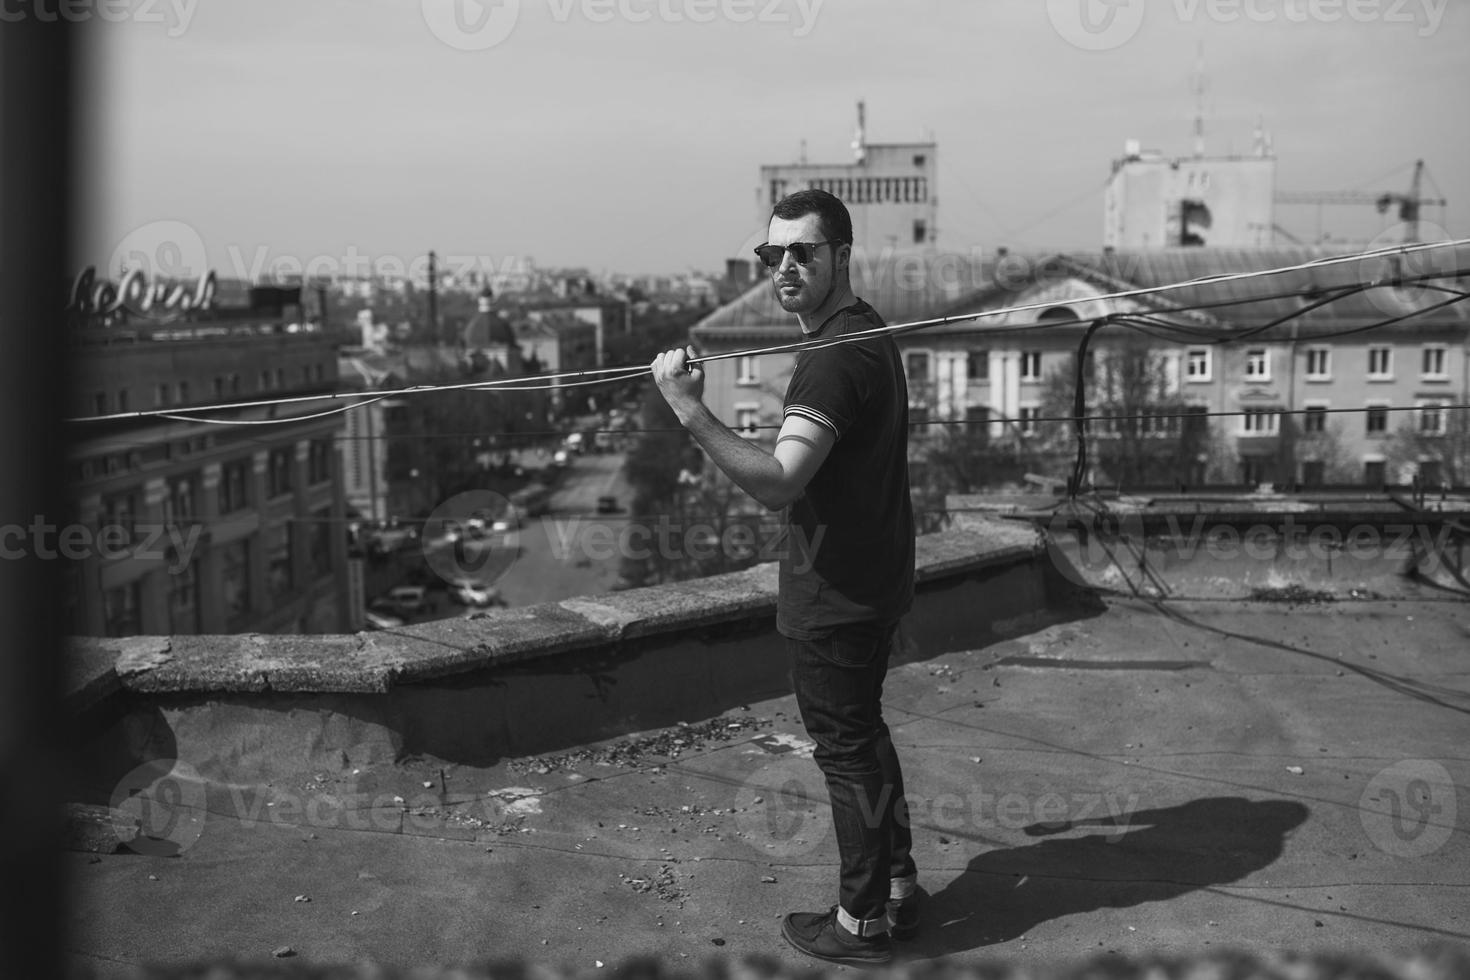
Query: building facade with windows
x=185 y=527
x=1266 y=385
x=1303 y=391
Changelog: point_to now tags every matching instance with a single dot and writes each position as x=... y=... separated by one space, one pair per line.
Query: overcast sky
x=625 y=135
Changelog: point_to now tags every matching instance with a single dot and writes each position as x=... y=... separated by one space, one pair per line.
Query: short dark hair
x=836 y=222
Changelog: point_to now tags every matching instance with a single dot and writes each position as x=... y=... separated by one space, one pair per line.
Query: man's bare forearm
x=752 y=469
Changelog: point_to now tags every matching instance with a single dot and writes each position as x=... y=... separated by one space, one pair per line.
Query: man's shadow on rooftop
x=1145 y=856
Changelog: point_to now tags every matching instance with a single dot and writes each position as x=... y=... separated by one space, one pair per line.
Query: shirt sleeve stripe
x=811 y=414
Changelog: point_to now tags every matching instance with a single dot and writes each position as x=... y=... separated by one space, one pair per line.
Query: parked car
x=410 y=600
x=607 y=504
x=380 y=621
x=468 y=592
x=387 y=539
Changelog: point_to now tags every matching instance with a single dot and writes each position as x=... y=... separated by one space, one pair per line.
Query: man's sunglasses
x=803 y=252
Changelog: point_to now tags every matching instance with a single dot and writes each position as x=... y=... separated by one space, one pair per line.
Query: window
x=99 y=403
x=919 y=159
x=921 y=232
x=319 y=543
x=265 y=381
x=122 y=400
x=747 y=370
x=280 y=378
x=179 y=506
x=1314 y=473
x=1432 y=418
x=321 y=372
x=235 y=580
x=1257 y=364
x=1377 y=420
x=122 y=610
x=234 y=486
x=1197 y=364
x=747 y=417
x=977 y=365
x=1374 y=473
x=1260 y=422
x=1380 y=363
x=1028 y=417
x=918 y=366
x=1255 y=470
x=1031 y=365
x=121 y=511
x=1314 y=420
x=278 y=578
x=183 y=392
x=1319 y=364
x=161 y=395
x=278 y=471
x=183 y=601
x=1434 y=364
x=319 y=461
x=1431 y=472
x=234 y=384
x=219 y=388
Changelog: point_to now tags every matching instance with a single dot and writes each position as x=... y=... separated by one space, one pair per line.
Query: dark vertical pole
x=434 y=300
x=36 y=88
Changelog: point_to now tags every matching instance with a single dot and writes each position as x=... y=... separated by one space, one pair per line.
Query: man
x=840 y=467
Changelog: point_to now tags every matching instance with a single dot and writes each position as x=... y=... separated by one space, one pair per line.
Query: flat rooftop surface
x=1158 y=777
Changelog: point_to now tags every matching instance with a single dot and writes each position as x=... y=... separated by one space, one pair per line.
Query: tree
x=1433 y=444
x=1143 y=432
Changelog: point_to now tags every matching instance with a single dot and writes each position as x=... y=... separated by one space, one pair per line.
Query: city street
x=556 y=559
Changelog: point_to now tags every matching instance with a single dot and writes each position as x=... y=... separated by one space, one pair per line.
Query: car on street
x=380 y=621
x=468 y=592
x=607 y=504
x=408 y=600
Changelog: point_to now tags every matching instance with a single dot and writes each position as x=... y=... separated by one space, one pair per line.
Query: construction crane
x=1408 y=204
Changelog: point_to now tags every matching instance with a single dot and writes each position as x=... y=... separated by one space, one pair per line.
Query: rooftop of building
x=1267 y=756
x=908 y=285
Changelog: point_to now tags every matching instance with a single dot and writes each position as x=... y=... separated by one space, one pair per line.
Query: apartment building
x=1360 y=390
x=182 y=527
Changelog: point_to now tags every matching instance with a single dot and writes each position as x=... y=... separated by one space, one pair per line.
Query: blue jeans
x=839 y=689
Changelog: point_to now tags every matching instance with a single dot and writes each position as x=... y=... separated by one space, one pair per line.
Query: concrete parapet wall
x=510 y=682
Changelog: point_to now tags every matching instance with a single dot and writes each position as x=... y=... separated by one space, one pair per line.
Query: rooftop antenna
x=1262 y=138
x=1199 y=102
x=860 y=141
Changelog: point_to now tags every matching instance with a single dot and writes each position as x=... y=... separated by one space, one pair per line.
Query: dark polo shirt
x=850 y=545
